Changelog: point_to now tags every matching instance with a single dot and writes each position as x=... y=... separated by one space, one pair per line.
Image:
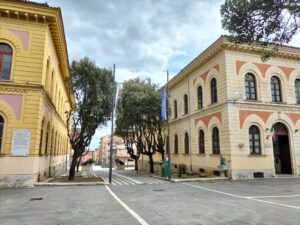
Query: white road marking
x=153 y=180
x=145 y=180
x=220 y=192
x=274 y=196
x=117 y=182
x=274 y=203
x=107 y=181
x=128 y=181
x=243 y=197
x=129 y=178
x=133 y=213
x=94 y=174
x=120 y=180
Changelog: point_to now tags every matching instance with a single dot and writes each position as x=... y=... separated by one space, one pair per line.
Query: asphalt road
x=266 y=201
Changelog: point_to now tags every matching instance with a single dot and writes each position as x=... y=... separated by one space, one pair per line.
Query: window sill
x=215 y=155
x=252 y=100
x=185 y=154
x=257 y=155
x=283 y=103
x=201 y=154
x=9 y=81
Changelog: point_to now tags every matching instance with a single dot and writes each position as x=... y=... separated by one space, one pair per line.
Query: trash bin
x=166 y=168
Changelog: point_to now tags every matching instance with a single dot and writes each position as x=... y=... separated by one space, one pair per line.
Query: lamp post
x=168 y=142
x=112 y=125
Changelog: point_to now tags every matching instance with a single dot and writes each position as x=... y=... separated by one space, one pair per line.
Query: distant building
x=229 y=103
x=94 y=155
x=119 y=150
x=33 y=93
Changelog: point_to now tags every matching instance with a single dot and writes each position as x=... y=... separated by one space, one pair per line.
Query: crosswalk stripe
x=146 y=181
x=127 y=180
x=130 y=179
x=106 y=180
x=117 y=181
x=120 y=180
x=142 y=180
x=153 y=181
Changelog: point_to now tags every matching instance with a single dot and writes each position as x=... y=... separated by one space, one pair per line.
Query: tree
x=138 y=121
x=261 y=22
x=92 y=89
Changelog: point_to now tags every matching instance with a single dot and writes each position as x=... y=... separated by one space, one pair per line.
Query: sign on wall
x=20 y=142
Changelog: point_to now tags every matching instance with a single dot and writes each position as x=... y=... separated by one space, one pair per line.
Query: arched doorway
x=281 y=147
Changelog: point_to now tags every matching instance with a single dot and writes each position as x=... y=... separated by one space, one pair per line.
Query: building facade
x=119 y=150
x=33 y=93
x=229 y=103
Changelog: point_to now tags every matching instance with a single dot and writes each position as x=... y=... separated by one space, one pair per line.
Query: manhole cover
x=158 y=190
x=36 y=199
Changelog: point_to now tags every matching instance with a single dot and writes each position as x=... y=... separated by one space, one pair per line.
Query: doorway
x=281 y=147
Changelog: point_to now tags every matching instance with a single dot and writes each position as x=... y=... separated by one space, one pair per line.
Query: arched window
x=175 y=109
x=200 y=101
x=5 y=61
x=186 y=143
x=176 y=144
x=254 y=140
x=250 y=86
x=297 y=90
x=186 y=104
x=213 y=91
x=47 y=80
x=201 y=142
x=215 y=141
x=41 y=138
x=47 y=138
x=1 y=130
x=276 y=89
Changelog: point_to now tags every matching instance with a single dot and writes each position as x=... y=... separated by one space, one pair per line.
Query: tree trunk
x=151 y=163
x=73 y=167
x=78 y=164
x=136 y=164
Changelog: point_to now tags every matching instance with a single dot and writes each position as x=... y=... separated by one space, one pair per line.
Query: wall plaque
x=20 y=142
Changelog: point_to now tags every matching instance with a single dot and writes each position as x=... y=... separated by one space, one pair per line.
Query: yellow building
x=33 y=93
x=229 y=103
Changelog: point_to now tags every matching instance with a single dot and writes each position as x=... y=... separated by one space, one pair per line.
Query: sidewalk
x=84 y=178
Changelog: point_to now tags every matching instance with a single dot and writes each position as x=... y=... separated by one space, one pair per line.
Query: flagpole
x=112 y=126
x=168 y=124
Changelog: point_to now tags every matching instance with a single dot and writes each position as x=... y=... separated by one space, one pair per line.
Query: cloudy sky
x=144 y=38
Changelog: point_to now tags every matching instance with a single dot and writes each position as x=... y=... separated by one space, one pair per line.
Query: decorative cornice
x=37 y=13
x=265 y=106
x=222 y=44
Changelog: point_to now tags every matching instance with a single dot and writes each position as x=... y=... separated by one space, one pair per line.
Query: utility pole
x=168 y=124
x=112 y=125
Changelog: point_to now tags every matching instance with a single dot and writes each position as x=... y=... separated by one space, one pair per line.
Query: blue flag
x=163 y=104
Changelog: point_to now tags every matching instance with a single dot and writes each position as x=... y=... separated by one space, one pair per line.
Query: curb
x=202 y=180
x=71 y=184
x=47 y=182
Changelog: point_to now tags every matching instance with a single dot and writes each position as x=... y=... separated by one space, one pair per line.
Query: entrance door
x=282 y=156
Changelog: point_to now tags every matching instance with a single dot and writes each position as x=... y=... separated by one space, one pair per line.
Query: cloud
x=140 y=37
x=144 y=38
